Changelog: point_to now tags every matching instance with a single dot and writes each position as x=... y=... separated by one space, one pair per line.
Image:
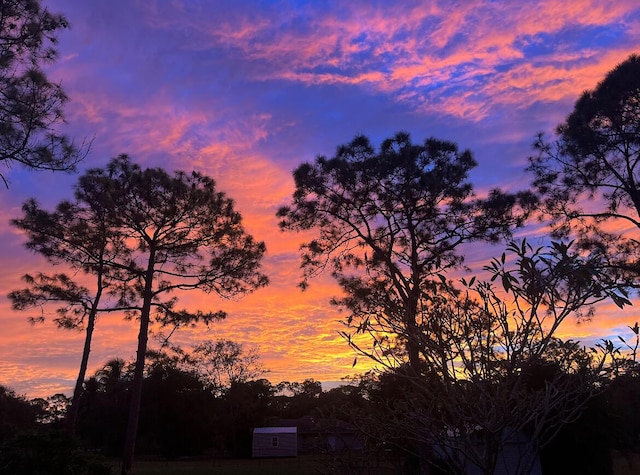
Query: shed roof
x=275 y=430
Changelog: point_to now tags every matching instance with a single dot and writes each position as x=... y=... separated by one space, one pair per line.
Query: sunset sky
x=244 y=91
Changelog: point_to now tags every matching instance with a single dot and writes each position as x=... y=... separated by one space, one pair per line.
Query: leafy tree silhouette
x=30 y=105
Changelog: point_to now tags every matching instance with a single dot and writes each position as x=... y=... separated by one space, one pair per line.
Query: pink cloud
x=425 y=45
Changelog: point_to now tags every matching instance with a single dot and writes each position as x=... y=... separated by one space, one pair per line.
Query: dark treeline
x=184 y=415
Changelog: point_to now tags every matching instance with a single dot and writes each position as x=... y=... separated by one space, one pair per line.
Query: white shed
x=275 y=442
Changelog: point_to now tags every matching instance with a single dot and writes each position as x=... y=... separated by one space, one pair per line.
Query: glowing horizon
x=246 y=91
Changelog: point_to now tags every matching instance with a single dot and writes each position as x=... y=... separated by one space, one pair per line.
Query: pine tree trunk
x=138 y=374
x=72 y=416
x=136 y=397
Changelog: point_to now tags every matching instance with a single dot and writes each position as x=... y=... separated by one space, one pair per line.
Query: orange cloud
x=389 y=48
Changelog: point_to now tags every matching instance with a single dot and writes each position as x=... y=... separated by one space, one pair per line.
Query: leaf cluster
x=407 y=205
x=132 y=228
x=588 y=178
x=31 y=106
x=491 y=365
x=388 y=221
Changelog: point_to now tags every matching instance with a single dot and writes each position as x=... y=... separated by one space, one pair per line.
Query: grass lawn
x=289 y=466
x=304 y=465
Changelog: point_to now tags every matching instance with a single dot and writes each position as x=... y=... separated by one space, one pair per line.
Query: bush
x=48 y=452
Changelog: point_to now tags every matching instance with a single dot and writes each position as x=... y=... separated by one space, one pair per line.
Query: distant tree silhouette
x=388 y=222
x=31 y=105
x=589 y=177
x=16 y=414
x=224 y=362
x=181 y=414
x=103 y=408
x=245 y=405
x=303 y=398
x=177 y=409
x=609 y=423
x=113 y=378
x=182 y=235
x=152 y=234
x=77 y=234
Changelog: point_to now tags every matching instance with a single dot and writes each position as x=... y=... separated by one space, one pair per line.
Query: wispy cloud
x=423 y=54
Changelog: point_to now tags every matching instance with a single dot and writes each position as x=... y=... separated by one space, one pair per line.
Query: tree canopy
x=149 y=235
x=77 y=234
x=31 y=106
x=389 y=221
x=588 y=177
x=492 y=365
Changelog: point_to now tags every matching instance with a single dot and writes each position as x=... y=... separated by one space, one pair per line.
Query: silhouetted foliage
x=54 y=409
x=16 y=414
x=31 y=105
x=48 y=452
x=623 y=397
x=493 y=374
x=588 y=178
x=303 y=398
x=77 y=234
x=182 y=235
x=224 y=362
x=176 y=416
x=31 y=444
x=244 y=406
x=103 y=408
x=180 y=416
x=389 y=221
x=610 y=422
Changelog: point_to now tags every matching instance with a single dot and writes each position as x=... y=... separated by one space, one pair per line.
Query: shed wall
x=275 y=444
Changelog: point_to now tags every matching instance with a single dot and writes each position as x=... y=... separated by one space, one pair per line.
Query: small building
x=324 y=435
x=275 y=442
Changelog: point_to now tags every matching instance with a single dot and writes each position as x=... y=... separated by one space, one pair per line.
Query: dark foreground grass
x=288 y=466
x=625 y=463
x=628 y=464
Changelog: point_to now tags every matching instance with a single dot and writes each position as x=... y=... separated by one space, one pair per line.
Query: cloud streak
x=422 y=53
